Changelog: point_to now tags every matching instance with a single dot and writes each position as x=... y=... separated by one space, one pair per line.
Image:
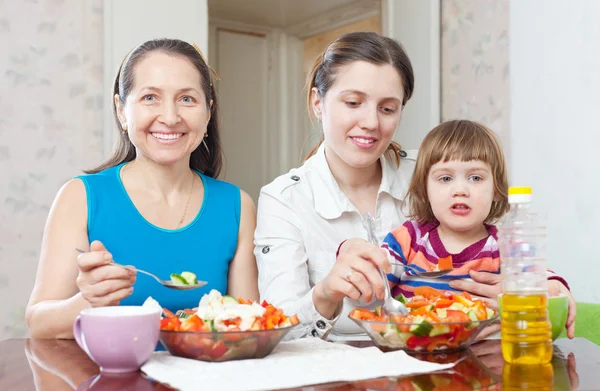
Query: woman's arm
x=283 y=264
x=243 y=273
x=66 y=283
x=55 y=301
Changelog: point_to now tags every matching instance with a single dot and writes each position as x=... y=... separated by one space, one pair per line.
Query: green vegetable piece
x=401 y=298
x=177 y=279
x=190 y=278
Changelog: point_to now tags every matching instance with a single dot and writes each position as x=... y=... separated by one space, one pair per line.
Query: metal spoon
x=419 y=273
x=167 y=283
x=390 y=305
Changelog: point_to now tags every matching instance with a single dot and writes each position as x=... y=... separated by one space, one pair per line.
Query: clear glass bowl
x=222 y=346
x=440 y=337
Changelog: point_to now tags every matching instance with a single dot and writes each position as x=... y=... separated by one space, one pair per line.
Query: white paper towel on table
x=292 y=364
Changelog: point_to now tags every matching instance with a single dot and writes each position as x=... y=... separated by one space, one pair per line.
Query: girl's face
x=461 y=193
x=166 y=112
x=360 y=112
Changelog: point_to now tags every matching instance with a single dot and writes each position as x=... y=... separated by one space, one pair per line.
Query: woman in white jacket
x=308 y=263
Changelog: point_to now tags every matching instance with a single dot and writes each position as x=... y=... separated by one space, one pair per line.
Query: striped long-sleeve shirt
x=420 y=246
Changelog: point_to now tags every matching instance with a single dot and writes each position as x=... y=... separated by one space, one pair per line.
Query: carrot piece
x=427 y=292
x=416 y=303
x=294 y=320
x=445 y=263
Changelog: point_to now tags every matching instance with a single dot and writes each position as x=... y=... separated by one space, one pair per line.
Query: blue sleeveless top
x=204 y=247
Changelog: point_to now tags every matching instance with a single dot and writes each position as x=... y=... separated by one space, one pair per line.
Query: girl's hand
x=355 y=273
x=101 y=283
x=485 y=285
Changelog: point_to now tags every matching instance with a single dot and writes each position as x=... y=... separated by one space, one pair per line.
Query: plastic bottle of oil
x=526 y=331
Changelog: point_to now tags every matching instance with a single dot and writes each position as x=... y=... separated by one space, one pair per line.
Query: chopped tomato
x=443 y=303
x=456 y=316
x=168 y=313
x=170 y=324
x=437 y=342
x=218 y=349
x=233 y=322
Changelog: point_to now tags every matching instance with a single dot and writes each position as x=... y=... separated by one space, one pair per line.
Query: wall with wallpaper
x=51 y=109
x=50 y=128
x=475 y=63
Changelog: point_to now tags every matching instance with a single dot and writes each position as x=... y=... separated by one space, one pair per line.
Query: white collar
x=329 y=200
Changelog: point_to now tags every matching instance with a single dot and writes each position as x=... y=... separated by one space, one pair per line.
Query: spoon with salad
x=184 y=281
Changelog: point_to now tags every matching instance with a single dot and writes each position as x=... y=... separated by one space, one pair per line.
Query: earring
x=124 y=127
x=204 y=143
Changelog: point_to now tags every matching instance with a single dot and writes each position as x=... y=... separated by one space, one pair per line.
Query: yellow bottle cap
x=519 y=190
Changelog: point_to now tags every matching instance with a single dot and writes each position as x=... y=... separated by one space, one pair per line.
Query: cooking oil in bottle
x=525 y=327
x=526 y=331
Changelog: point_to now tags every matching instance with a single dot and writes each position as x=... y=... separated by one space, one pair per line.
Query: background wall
x=50 y=128
x=475 y=63
x=555 y=79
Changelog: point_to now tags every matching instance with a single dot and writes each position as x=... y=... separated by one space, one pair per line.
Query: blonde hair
x=359 y=46
x=464 y=141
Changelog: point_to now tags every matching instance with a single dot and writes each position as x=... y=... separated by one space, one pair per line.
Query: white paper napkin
x=298 y=363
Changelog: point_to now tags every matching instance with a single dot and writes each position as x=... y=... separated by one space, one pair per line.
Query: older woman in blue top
x=155 y=204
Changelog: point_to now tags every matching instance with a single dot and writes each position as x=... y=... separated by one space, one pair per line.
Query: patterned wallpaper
x=50 y=128
x=51 y=111
x=475 y=63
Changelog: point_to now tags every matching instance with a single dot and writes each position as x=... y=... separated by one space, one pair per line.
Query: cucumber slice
x=190 y=278
x=422 y=329
x=439 y=330
x=401 y=298
x=489 y=312
x=442 y=313
x=457 y=306
x=379 y=310
x=472 y=315
x=177 y=279
x=211 y=324
x=227 y=300
x=181 y=314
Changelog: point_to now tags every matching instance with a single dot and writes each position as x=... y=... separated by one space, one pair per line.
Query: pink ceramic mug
x=118 y=339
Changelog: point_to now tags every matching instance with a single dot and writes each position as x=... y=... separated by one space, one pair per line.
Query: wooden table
x=30 y=364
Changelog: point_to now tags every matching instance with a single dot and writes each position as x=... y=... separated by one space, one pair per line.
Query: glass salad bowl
x=224 y=328
x=437 y=321
x=222 y=346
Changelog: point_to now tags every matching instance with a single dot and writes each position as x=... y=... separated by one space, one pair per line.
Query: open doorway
x=263 y=50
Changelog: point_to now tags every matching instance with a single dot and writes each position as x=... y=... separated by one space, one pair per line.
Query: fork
x=390 y=305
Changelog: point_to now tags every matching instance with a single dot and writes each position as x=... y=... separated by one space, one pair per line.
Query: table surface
x=33 y=364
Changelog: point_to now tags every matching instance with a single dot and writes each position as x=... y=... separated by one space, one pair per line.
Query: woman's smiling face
x=166 y=112
x=360 y=112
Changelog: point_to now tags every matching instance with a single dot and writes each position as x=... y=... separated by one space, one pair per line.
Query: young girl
x=457 y=192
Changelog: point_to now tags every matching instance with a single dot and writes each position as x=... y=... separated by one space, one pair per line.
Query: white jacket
x=303 y=216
